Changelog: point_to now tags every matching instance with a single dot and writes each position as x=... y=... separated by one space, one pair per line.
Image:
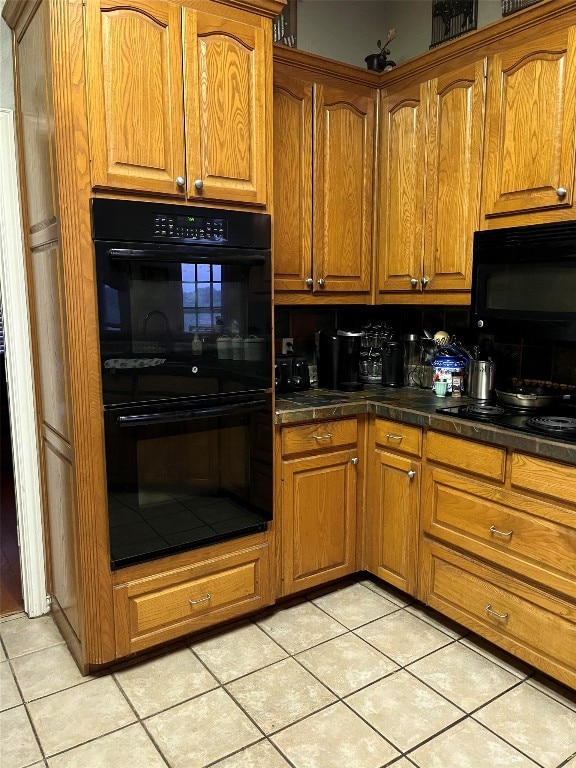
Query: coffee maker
x=339 y=360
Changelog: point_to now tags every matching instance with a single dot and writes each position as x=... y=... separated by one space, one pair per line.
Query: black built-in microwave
x=524 y=281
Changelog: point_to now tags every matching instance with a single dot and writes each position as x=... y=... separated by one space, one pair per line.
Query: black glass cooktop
x=556 y=423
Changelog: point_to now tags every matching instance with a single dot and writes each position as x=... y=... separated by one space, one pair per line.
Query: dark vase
x=375 y=62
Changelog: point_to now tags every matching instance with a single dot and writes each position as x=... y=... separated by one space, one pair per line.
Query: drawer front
x=151 y=611
x=320 y=436
x=476 y=458
x=530 y=623
x=546 y=477
x=490 y=522
x=398 y=437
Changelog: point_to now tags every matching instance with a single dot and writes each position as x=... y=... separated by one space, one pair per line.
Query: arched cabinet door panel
x=530 y=127
x=134 y=82
x=226 y=107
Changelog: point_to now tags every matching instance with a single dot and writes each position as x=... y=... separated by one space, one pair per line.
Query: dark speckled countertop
x=412 y=406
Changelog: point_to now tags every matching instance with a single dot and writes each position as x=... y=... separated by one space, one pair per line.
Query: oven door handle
x=143 y=419
x=204 y=255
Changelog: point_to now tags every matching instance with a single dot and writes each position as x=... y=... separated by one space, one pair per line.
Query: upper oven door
x=162 y=308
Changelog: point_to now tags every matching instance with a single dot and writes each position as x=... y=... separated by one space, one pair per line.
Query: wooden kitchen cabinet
x=319 y=501
x=530 y=131
x=498 y=546
x=324 y=151
x=192 y=592
x=104 y=98
x=393 y=501
x=177 y=99
x=431 y=149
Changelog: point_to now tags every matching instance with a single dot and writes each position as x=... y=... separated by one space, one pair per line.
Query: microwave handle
x=144 y=419
x=203 y=255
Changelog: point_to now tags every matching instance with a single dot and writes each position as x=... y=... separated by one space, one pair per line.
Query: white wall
x=6 y=74
x=347 y=30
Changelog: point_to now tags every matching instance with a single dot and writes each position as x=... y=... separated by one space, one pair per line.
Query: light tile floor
x=356 y=677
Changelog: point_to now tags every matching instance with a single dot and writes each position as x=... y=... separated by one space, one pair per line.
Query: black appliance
x=292 y=374
x=339 y=360
x=524 y=281
x=392 y=363
x=188 y=430
x=556 y=422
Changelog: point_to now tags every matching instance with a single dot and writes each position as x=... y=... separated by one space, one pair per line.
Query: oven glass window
x=162 y=320
x=201 y=297
x=179 y=485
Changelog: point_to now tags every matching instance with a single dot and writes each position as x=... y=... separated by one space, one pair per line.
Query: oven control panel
x=190 y=227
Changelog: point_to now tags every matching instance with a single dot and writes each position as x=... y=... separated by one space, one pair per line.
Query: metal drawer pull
x=355 y=460
x=493 y=529
x=489 y=609
x=327 y=436
x=411 y=474
x=394 y=437
x=202 y=600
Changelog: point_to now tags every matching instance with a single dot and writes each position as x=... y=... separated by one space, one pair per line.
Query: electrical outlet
x=287 y=346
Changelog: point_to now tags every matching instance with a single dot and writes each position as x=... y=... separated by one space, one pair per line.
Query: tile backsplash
x=516 y=357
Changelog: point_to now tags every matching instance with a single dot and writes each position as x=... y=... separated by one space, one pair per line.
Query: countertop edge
x=295 y=410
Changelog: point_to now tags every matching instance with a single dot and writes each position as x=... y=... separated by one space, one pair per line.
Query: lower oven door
x=187 y=474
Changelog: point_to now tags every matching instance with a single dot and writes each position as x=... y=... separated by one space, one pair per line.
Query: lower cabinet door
x=318 y=519
x=393 y=500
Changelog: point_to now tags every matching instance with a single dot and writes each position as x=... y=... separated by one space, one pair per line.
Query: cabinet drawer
x=320 y=436
x=537 y=540
x=153 y=610
x=531 y=623
x=477 y=458
x=398 y=437
x=547 y=477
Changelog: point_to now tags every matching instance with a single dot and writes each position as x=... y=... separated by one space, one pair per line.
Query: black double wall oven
x=185 y=317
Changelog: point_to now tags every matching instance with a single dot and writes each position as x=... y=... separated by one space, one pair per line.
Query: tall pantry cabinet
x=109 y=102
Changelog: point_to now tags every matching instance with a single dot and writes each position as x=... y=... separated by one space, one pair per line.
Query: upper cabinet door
x=529 y=162
x=453 y=181
x=292 y=183
x=227 y=107
x=343 y=190
x=134 y=80
x=402 y=183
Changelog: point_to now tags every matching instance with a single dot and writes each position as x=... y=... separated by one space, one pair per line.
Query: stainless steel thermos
x=481 y=375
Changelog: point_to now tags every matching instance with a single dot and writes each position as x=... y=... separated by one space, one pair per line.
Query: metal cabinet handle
x=394 y=437
x=355 y=460
x=180 y=180
x=198 y=183
x=321 y=282
x=309 y=282
x=411 y=474
x=561 y=192
x=202 y=600
x=495 y=530
x=492 y=612
x=414 y=282
x=327 y=436
x=424 y=281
